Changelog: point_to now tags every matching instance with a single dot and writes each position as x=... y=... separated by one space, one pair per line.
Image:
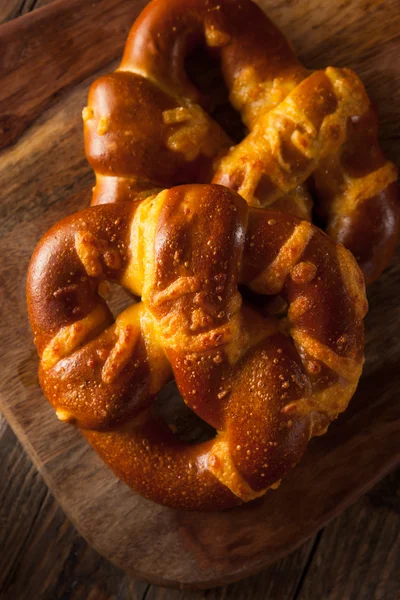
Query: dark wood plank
x=41 y=172
x=81 y=37
x=277 y=582
x=56 y=141
x=10 y=9
x=45 y=557
x=358 y=556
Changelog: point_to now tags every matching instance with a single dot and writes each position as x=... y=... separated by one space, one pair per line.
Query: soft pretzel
x=266 y=384
x=146 y=125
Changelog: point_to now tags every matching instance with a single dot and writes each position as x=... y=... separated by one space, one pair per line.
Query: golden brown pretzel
x=146 y=126
x=265 y=384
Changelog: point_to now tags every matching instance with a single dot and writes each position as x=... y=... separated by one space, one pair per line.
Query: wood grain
x=50 y=560
x=344 y=567
x=47 y=559
x=10 y=9
x=81 y=37
x=46 y=177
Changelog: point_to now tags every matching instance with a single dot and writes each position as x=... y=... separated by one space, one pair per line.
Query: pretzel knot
x=266 y=384
x=147 y=125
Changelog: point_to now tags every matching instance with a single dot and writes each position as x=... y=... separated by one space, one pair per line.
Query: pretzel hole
x=117 y=297
x=318 y=218
x=182 y=421
x=204 y=71
x=274 y=306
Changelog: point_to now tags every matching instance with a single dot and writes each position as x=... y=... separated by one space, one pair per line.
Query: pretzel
x=147 y=127
x=266 y=384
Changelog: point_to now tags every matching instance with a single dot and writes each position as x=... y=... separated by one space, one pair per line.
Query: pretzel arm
x=190 y=288
x=95 y=372
x=288 y=142
x=325 y=293
x=139 y=139
x=358 y=197
x=149 y=458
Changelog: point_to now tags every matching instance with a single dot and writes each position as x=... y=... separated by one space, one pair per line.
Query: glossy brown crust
x=266 y=384
x=146 y=125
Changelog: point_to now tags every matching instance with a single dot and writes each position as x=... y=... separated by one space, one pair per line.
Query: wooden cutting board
x=47 y=61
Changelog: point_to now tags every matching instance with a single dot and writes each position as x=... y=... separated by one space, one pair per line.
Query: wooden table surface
x=43 y=557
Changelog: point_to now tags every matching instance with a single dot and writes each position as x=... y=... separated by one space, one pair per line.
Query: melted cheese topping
x=219 y=461
x=271 y=280
x=128 y=332
x=348 y=368
x=71 y=337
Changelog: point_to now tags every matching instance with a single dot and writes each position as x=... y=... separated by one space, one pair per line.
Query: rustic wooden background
x=42 y=556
